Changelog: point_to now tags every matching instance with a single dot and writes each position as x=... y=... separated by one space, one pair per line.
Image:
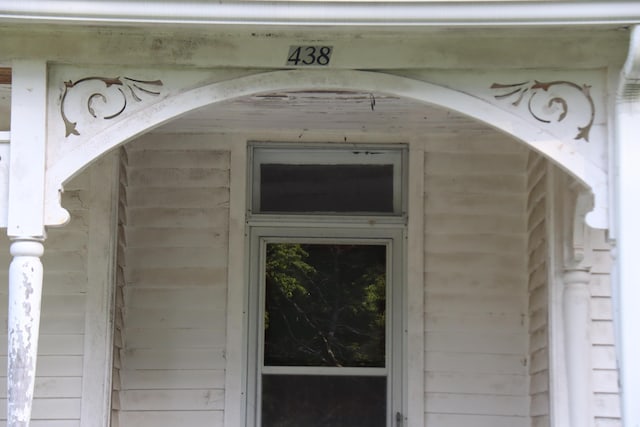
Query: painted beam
x=28 y=146
x=319 y=13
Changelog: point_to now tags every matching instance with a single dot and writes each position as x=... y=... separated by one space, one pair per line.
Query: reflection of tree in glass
x=325 y=305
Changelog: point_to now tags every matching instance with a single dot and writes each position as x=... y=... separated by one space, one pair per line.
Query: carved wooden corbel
x=577 y=242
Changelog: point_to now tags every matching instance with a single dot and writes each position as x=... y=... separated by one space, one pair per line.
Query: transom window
x=327 y=180
x=325 y=306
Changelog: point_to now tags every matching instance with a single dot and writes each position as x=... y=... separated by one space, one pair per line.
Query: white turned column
x=25 y=292
x=577 y=319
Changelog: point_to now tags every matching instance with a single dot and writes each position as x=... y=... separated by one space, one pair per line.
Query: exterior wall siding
x=537 y=252
x=475 y=278
x=606 y=397
x=175 y=284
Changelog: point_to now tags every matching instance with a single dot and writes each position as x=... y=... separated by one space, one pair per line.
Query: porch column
x=25 y=293
x=576 y=202
x=25 y=227
x=627 y=232
x=577 y=319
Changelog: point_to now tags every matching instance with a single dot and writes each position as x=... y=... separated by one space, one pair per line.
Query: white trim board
x=318 y=13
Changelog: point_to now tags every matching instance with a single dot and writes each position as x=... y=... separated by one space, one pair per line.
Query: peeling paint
x=25 y=292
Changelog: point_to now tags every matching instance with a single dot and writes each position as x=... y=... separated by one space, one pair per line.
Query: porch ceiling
x=321 y=111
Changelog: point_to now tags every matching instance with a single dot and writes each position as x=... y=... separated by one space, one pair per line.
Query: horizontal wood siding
x=537 y=251
x=606 y=398
x=61 y=346
x=175 y=229
x=476 y=314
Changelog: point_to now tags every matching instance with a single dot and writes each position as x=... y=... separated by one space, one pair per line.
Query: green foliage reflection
x=325 y=305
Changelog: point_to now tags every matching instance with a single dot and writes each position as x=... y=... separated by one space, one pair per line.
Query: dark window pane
x=325 y=305
x=319 y=401
x=326 y=188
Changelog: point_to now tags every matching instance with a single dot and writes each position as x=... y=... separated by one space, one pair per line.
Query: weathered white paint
x=605 y=379
x=176 y=225
x=28 y=136
x=60 y=368
x=25 y=224
x=578 y=261
x=538 y=266
x=559 y=403
x=5 y=137
x=475 y=281
x=98 y=342
x=25 y=294
x=68 y=159
x=628 y=230
x=415 y=286
x=582 y=350
x=577 y=322
x=213 y=47
x=235 y=370
x=119 y=284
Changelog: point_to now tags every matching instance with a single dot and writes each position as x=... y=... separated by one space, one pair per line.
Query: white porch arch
x=70 y=161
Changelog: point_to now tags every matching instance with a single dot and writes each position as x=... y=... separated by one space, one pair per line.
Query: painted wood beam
x=28 y=146
x=320 y=13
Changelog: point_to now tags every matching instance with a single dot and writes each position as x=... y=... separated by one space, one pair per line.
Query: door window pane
x=323 y=401
x=325 y=305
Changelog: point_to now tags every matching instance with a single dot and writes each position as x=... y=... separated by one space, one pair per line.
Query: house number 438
x=309 y=55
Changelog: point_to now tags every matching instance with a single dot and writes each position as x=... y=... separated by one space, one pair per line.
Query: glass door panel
x=324 y=401
x=324 y=353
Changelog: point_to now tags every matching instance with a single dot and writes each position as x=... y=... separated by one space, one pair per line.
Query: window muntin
x=326 y=181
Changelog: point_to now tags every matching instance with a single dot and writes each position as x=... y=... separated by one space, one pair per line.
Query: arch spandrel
x=94 y=112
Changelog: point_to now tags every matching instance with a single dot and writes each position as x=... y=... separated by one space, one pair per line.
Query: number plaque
x=305 y=56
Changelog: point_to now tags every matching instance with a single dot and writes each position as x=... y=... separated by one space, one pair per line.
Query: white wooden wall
x=476 y=332
x=606 y=397
x=175 y=229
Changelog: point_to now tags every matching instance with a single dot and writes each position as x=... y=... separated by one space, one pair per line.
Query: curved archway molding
x=151 y=103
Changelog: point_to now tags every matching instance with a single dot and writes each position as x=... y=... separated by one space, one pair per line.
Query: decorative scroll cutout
x=127 y=88
x=531 y=89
